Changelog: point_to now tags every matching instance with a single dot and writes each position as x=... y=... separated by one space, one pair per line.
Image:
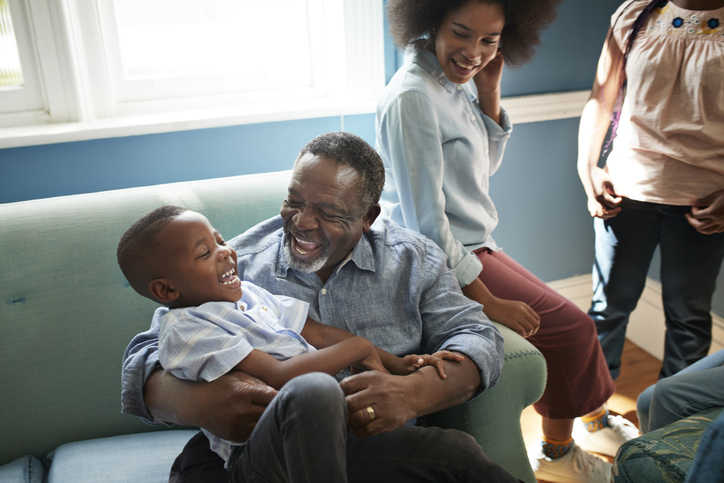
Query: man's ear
x=371 y=216
x=162 y=291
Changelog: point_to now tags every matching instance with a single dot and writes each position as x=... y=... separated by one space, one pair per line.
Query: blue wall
x=545 y=225
x=565 y=61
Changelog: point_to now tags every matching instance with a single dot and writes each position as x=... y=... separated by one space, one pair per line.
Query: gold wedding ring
x=371 y=412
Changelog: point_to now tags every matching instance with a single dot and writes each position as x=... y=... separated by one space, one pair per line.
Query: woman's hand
x=513 y=314
x=487 y=81
x=605 y=203
x=489 y=77
x=707 y=213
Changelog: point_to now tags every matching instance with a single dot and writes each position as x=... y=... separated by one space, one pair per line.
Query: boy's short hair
x=138 y=246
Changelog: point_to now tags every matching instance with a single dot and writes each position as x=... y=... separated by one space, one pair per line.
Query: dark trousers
x=290 y=443
x=690 y=264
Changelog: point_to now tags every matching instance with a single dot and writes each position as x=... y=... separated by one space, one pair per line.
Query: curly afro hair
x=412 y=21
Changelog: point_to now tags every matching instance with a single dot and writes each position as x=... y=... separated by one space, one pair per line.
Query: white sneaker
x=576 y=466
x=607 y=440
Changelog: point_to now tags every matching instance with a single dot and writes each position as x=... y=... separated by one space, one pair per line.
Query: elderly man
x=381 y=282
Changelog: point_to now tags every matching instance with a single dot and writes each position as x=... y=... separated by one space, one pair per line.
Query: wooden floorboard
x=639 y=370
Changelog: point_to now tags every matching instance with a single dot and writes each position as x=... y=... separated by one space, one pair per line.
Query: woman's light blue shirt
x=439 y=151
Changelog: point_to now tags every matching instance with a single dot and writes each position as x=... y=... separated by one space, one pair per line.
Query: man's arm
x=450 y=321
x=229 y=407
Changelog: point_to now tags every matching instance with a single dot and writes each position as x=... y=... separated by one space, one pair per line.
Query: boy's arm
x=352 y=351
x=321 y=336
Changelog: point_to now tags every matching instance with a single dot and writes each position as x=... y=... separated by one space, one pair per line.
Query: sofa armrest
x=493 y=418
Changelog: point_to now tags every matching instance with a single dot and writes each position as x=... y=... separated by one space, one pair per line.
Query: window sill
x=522 y=109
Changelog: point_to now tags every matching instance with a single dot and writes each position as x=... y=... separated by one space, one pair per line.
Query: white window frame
x=80 y=101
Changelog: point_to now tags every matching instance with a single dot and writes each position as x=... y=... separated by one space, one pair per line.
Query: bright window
x=21 y=93
x=11 y=74
x=121 y=59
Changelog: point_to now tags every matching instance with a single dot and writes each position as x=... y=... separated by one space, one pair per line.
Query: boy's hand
x=370 y=363
x=413 y=362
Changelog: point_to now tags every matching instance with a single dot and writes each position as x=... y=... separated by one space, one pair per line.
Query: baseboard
x=646 y=327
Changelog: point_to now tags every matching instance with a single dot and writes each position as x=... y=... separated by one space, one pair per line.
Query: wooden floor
x=639 y=370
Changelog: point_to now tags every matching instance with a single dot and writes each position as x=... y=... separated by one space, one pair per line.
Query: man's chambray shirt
x=394 y=289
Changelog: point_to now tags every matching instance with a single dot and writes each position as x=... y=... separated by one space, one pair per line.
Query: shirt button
x=472 y=118
x=459 y=87
x=324 y=291
x=487 y=151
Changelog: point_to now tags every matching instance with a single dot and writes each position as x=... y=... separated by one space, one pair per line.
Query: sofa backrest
x=67 y=313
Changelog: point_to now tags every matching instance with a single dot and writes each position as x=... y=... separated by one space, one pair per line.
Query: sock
x=596 y=422
x=555 y=449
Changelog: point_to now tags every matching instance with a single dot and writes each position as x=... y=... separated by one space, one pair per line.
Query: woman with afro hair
x=441 y=132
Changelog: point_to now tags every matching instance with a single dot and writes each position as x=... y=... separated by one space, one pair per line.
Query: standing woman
x=441 y=133
x=663 y=183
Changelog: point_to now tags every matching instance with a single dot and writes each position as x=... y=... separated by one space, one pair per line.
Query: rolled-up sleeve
x=498 y=135
x=453 y=322
x=139 y=361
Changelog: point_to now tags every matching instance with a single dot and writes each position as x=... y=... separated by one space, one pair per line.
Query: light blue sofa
x=67 y=314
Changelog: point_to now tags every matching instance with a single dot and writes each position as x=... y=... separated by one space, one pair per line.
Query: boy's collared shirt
x=206 y=342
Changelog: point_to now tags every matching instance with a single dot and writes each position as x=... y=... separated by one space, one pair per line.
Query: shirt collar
x=361 y=255
x=429 y=63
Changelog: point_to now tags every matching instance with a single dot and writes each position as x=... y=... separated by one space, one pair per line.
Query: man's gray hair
x=350 y=150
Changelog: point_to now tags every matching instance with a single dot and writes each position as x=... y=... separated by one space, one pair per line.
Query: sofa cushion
x=26 y=469
x=664 y=455
x=144 y=457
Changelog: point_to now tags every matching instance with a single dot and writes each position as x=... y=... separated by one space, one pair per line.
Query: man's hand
x=707 y=214
x=229 y=407
x=389 y=396
x=398 y=399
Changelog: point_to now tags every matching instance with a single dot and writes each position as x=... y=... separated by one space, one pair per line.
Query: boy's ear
x=162 y=291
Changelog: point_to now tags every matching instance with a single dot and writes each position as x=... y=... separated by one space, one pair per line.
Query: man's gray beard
x=304 y=266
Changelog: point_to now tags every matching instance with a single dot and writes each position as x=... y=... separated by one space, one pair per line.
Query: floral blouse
x=670 y=143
